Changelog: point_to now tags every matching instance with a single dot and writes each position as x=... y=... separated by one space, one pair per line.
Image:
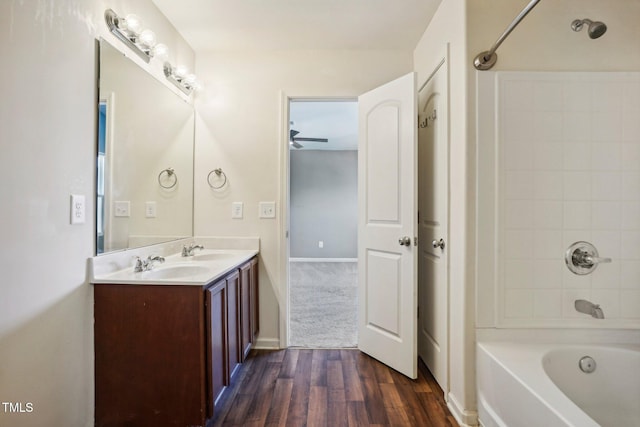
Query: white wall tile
x=547 y=185
x=605 y=186
x=630 y=274
x=577 y=185
x=548 y=126
x=577 y=126
x=571 y=166
x=547 y=304
x=606 y=156
x=576 y=215
x=571 y=280
x=577 y=96
x=630 y=186
x=630 y=153
x=629 y=216
x=547 y=214
x=518 y=156
x=519 y=214
x=517 y=127
x=518 y=184
x=518 y=273
x=547 y=244
x=547 y=274
x=576 y=156
x=605 y=215
x=548 y=156
x=518 y=244
x=629 y=304
x=548 y=96
x=518 y=303
x=517 y=95
x=607 y=126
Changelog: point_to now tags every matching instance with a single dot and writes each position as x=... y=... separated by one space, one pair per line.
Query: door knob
x=438 y=243
x=405 y=241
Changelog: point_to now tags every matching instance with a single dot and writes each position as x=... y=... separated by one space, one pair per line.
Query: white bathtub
x=530 y=385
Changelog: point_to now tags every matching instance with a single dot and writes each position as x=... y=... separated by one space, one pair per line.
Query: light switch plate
x=77 y=209
x=150 y=209
x=122 y=208
x=236 y=210
x=267 y=209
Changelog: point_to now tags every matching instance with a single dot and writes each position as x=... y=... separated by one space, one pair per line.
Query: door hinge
x=415 y=241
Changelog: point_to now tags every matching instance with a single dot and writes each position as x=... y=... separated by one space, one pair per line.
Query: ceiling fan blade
x=311 y=139
x=293 y=133
x=296 y=145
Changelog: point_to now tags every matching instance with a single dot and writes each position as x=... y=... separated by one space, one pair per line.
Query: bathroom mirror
x=144 y=191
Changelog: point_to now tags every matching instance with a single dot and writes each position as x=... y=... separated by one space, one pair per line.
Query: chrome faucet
x=587 y=307
x=146 y=264
x=188 y=250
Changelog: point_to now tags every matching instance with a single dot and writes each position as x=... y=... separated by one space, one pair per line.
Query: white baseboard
x=465 y=418
x=267 y=344
x=323 y=259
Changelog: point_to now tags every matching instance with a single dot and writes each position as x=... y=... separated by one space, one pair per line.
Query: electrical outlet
x=122 y=208
x=320 y=244
x=236 y=210
x=150 y=209
x=267 y=209
x=77 y=209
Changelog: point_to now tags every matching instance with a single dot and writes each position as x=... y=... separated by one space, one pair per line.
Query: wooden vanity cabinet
x=249 y=305
x=165 y=353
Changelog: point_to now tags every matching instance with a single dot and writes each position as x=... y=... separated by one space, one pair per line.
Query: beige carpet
x=324 y=304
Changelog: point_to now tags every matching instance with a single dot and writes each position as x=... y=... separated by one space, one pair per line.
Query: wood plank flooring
x=302 y=387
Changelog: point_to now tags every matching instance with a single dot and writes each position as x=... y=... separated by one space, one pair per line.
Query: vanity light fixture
x=181 y=78
x=129 y=30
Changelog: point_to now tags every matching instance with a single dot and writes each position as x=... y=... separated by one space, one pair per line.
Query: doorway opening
x=323 y=223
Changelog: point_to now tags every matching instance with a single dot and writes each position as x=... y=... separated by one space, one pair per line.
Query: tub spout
x=587 y=307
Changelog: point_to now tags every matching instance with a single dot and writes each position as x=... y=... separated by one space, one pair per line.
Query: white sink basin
x=175 y=272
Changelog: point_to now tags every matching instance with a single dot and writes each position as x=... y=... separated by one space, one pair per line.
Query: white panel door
x=433 y=205
x=387 y=277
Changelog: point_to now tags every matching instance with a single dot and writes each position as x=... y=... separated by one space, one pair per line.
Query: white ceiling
x=299 y=24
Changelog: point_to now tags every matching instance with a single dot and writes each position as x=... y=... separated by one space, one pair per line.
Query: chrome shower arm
x=485 y=60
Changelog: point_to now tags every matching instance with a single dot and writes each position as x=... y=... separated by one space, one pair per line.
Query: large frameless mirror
x=144 y=191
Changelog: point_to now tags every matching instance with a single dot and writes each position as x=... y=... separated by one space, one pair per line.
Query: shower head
x=595 y=30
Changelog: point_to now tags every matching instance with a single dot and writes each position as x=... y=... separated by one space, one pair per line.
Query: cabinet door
x=233 y=324
x=216 y=311
x=245 y=309
x=255 y=301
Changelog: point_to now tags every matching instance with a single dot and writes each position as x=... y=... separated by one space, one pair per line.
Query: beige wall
x=240 y=128
x=47 y=146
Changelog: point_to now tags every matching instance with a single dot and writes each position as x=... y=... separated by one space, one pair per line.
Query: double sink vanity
x=169 y=339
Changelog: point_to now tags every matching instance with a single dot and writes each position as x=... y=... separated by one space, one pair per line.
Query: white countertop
x=204 y=267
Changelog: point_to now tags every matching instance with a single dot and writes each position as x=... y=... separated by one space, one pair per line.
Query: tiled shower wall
x=568 y=148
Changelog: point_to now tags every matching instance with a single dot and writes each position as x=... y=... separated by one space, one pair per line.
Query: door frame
x=284 y=209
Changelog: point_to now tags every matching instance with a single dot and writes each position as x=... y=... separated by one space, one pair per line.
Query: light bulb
x=160 y=51
x=134 y=26
x=147 y=38
x=190 y=79
x=180 y=72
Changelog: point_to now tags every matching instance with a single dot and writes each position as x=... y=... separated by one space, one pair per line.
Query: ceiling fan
x=293 y=139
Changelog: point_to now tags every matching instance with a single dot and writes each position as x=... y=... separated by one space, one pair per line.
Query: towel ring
x=170 y=173
x=220 y=173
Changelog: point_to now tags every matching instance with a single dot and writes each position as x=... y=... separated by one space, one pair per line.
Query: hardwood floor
x=301 y=387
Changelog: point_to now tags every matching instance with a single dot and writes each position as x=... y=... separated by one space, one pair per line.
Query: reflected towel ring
x=170 y=173
x=220 y=173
